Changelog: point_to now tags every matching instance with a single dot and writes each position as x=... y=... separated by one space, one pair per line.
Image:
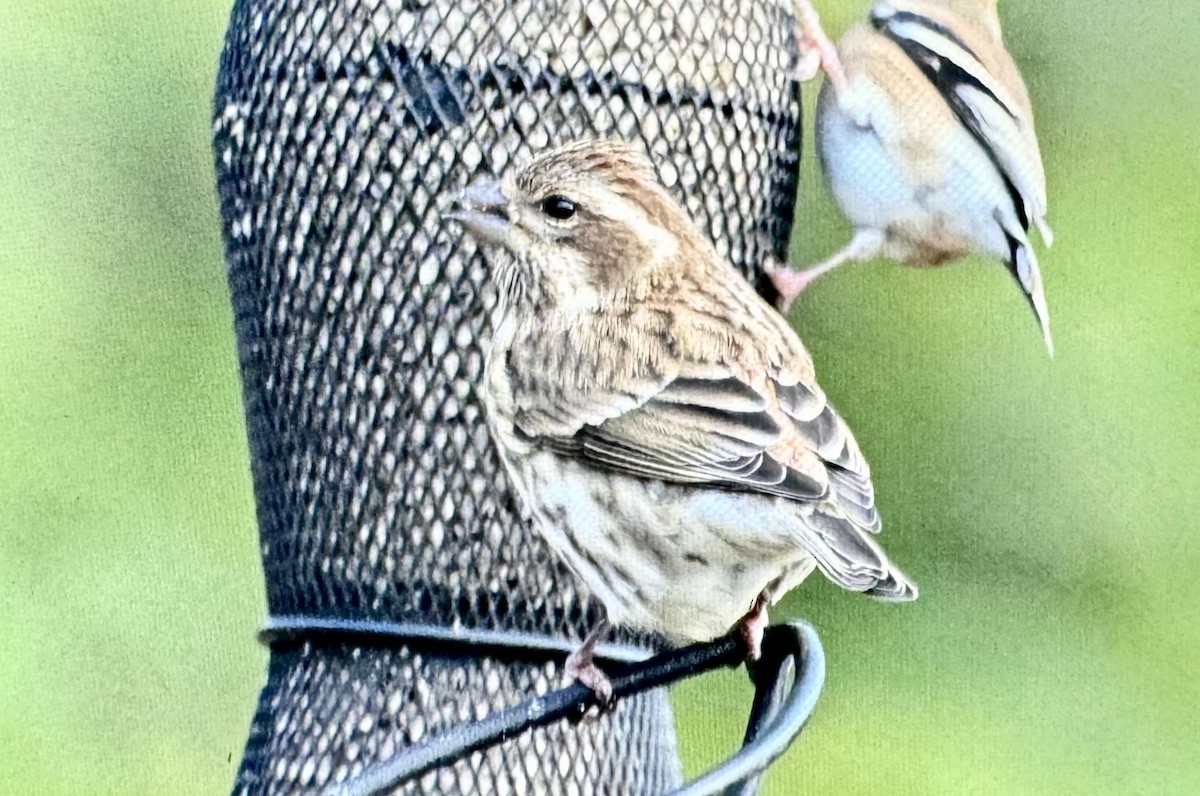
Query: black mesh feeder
x=417 y=624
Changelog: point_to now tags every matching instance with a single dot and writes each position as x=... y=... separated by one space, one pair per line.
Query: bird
x=661 y=422
x=926 y=138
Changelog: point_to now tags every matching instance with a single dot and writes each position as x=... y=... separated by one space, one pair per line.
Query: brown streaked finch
x=660 y=420
x=926 y=138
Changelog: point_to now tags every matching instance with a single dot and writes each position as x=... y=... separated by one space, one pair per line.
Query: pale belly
x=684 y=562
x=939 y=205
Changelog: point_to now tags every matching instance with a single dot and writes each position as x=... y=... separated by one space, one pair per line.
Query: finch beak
x=1025 y=270
x=483 y=209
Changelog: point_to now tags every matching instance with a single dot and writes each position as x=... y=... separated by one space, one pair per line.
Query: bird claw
x=753 y=626
x=865 y=244
x=790 y=284
x=581 y=667
x=808 y=64
x=817 y=51
x=752 y=634
x=588 y=674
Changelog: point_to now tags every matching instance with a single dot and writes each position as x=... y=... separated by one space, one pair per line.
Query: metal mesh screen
x=341 y=128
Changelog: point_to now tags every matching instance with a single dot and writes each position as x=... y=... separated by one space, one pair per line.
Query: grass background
x=1047 y=508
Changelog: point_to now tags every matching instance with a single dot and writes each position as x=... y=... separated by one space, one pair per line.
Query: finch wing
x=720 y=432
x=783 y=440
x=998 y=118
x=818 y=425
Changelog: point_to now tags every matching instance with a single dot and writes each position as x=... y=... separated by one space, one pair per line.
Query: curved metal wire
x=776 y=719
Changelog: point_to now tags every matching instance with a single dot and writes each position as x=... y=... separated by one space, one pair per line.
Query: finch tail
x=849 y=556
x=1023 y=265
x=895 y=588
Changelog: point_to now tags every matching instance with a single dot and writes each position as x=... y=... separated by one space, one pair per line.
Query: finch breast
x=682 y=561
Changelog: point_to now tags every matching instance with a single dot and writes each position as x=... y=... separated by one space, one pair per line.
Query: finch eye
x=560 y=208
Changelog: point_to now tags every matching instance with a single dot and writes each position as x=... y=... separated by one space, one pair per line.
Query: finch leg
x=817 y=51
x=753 y=625
x=865 y=244
x=581 y=668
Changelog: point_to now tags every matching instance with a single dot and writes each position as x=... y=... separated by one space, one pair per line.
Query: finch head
x=578 y=223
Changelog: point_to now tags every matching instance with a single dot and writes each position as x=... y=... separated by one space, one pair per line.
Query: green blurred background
x=1047 y=508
